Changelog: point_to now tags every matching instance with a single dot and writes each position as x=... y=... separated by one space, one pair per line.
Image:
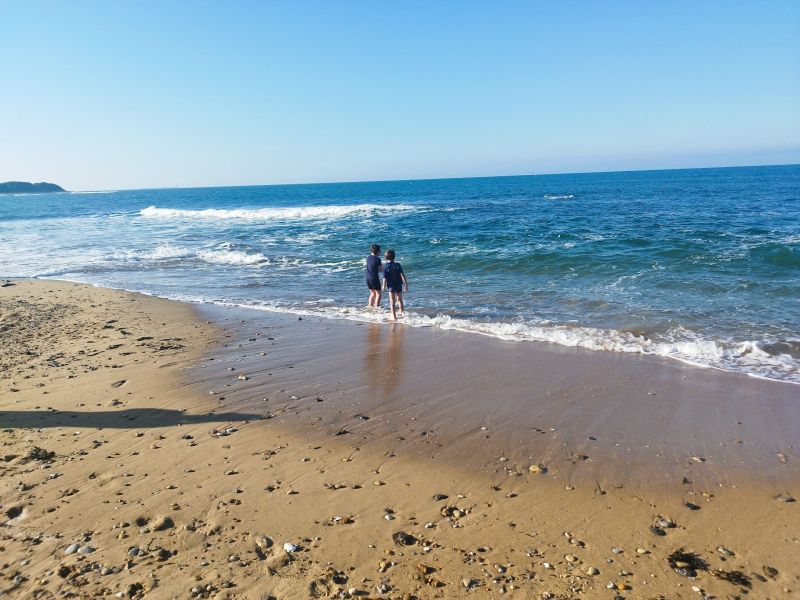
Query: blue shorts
x=397 y=289
x=374 y=284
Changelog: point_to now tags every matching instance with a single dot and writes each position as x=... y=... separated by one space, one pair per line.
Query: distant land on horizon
x=25 y=187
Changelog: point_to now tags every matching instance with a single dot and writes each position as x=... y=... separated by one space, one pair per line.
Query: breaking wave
x=232 y=257
x=290 y=213
x=166 y=251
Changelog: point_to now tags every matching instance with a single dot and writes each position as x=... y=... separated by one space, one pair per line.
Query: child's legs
x=392 y=299
x=400 y=301
x=374 y=297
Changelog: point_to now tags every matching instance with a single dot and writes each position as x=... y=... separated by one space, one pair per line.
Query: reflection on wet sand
x=603 y=417
x=384 y=358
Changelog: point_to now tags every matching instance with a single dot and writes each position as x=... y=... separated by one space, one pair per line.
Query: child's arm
x=405 y=281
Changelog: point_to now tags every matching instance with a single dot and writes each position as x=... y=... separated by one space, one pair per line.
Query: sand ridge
x=123 y=477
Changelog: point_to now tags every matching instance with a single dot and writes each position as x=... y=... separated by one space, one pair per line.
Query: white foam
x=337 y=266
x=291 y=213
x=164 y=250
x=310 y=267
x=743 y=357
x=170 y=251
x=232 y=257
x=310 y=238
x=93 y=192
x=558 y=196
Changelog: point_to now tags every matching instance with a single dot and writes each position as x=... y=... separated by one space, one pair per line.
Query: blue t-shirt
x=391 y=274
x=373 y=266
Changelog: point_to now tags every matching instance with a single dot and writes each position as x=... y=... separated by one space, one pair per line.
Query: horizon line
x=532 y=174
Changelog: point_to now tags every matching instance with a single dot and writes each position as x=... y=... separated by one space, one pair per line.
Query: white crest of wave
x=93 y=192
x=163 y=250
x=232 y=257
x=291 y=213
x=170 y=251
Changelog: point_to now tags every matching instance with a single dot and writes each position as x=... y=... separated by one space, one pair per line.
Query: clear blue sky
x=110 y=95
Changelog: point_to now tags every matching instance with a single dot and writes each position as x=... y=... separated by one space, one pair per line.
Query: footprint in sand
x=119 y=383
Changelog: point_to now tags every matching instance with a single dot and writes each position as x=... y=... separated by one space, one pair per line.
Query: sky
x=115 y=95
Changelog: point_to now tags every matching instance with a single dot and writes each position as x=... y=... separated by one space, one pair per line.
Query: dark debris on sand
x=734 y=577
x=686 y=563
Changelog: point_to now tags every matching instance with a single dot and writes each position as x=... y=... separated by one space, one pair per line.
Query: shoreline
x=578 y=337
x=463 y=325
x=282 y=473
x=607 y=418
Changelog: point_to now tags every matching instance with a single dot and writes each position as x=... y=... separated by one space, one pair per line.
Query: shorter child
x=374 y=267
x=395 y=281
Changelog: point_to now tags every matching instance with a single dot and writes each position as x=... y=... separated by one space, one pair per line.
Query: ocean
x=699 y=265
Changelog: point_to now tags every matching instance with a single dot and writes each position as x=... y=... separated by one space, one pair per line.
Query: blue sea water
x=700 y=265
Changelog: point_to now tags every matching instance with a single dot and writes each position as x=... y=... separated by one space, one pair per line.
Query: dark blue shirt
x=392 y=275
x=373 y=266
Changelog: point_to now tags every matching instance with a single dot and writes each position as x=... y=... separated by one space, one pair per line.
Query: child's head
x=389 y=254
x=375 y=249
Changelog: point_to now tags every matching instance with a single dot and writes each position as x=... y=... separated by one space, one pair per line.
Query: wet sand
x=463 y=399
x=190 y=446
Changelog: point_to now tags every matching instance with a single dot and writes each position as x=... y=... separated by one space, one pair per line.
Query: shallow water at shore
x=609 y=419
x=697 y=265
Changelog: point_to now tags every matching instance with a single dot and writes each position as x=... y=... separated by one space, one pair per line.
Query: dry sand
x=178 y=457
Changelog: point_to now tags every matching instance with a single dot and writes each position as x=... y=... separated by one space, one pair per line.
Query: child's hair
x=375 y=249
x=390 y=254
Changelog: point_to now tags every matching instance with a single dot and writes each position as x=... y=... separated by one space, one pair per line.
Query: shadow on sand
x=121 y=419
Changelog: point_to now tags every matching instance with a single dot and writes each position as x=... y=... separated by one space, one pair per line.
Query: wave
x=746 y=357
x=93 y=192
x=166 y=251
x=291 y=213
x=232 y=257
x=558 y=196
x=169 y=255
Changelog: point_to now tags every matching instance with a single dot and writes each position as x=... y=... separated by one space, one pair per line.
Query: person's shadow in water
x=384 y=358
x=121 y=419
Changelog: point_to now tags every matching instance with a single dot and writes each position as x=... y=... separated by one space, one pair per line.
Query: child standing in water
x=374 y=267
x=395 y=281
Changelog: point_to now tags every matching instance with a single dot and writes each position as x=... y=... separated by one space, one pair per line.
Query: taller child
x=374 y=267
x=395 y=281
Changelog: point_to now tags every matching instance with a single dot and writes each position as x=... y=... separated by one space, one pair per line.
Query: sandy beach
x=153 y=449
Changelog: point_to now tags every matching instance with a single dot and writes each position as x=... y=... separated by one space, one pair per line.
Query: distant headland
x=25 y=187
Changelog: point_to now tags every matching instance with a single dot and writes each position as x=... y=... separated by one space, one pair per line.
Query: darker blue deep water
x=702 y=265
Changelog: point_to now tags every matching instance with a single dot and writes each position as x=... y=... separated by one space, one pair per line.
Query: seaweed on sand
x=686 y=563
x=734 y=577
